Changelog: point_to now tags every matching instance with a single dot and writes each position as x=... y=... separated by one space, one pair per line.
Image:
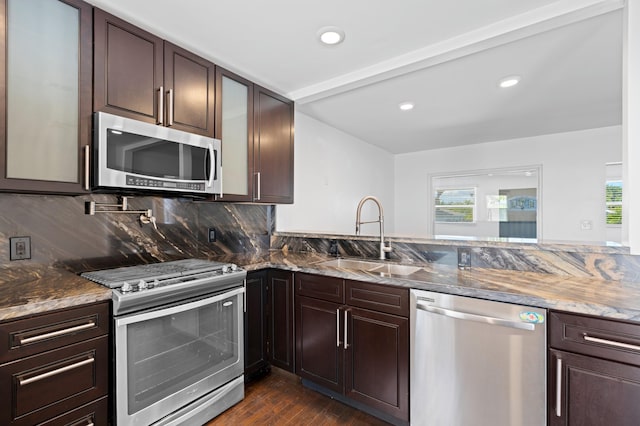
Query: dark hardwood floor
x=280 y=399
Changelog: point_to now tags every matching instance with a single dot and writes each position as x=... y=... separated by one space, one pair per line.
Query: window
x=614 y=202
x=455 y=205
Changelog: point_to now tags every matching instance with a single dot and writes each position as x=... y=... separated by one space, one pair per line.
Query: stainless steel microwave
x=130 y=154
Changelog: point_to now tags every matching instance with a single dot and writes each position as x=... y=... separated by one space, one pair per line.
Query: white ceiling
x=446 y=56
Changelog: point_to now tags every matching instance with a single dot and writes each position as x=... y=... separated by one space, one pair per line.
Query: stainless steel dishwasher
x=476 y=362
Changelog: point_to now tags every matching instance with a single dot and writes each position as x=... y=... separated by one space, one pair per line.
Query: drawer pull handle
x=611 y=343
x=60 y=370
x=57 y=333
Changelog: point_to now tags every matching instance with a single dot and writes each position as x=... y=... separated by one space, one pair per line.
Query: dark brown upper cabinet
x=138 y=75
x=255 y=126
x=45 y=95
x=272 y=147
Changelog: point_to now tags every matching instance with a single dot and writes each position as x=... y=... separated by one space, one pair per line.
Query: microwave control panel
x=158 y=183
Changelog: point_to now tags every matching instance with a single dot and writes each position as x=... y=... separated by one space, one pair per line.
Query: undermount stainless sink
x=394 y=269
x=369 y=266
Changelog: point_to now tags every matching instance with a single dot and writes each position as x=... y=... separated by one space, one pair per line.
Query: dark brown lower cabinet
x=319 y=349
x=376 y=360
x=56 y=368
x=594 y=392
x=268 y=335
x=255 y=326
x=346 y=347
x=594 y=371
x=280 y=310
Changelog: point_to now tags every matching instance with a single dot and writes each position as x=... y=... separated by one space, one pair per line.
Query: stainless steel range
x=178 y=340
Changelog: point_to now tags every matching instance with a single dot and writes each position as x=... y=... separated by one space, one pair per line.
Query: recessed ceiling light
x=331 y=35
x=406 y=106
x=510 y=81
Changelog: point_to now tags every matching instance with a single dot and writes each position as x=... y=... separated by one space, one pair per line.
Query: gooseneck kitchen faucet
x=383 y=248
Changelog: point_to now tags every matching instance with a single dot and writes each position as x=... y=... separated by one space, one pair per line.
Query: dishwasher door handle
x=473 y=317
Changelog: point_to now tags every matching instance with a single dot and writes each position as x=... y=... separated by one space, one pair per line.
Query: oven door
x=170 y=357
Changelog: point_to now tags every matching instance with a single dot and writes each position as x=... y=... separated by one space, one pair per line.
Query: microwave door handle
x=213 y=158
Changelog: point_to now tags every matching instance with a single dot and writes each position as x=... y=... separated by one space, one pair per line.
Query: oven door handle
x=138 y=317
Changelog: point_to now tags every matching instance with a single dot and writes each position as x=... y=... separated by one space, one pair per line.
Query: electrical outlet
x=20 y=248
x=464 y=258
x=211 y=236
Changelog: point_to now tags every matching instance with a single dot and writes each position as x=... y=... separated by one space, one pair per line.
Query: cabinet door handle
x=57 y=333
x=87 y=164
x=346 y=327
x=23 y=382
x=258 y=186
x=221 y=183
x=338 y=342
x=558 y=387
x=610 y=342
x=170 y=108
x=160 y=119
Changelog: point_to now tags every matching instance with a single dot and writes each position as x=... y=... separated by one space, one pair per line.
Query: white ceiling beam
x=536 y=21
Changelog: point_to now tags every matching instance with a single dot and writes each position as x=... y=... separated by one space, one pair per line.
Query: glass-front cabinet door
x=234 y=127
x=46 y=104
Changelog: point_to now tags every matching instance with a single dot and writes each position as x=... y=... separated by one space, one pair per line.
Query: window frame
x=474 y=206
x=613 y=203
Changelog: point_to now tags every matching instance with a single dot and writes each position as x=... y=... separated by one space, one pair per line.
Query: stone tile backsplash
x=62 y=234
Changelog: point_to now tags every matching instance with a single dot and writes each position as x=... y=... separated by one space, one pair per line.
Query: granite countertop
x=612 y=299
x=27 y=291
x=32 y=290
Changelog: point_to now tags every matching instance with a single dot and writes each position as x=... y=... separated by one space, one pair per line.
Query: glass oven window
x=168 y=353
x=153 y=157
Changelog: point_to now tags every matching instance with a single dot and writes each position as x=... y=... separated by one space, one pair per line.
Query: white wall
x=333 y=171
x=631 y=125
x=573 y=179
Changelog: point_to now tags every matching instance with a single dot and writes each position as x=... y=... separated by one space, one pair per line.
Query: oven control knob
x=126 y=287
x=142 y=284
x=225 y=269
x=234 y=267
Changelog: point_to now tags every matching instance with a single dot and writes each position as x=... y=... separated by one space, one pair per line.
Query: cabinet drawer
x=378 y=297
x=320 y=287
x=40 y=387
x=603 y=338
x=31 y=336
x=95 y=413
